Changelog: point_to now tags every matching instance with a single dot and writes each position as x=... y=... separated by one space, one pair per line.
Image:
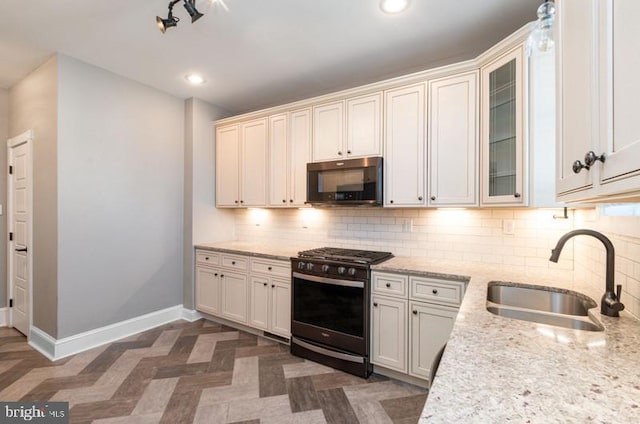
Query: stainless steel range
x=330 y=307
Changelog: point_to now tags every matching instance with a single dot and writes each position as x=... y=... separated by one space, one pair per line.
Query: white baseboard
x=4 y=317
x=61 y=348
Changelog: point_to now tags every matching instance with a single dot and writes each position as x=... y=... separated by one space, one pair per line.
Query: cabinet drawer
x=235 y=262
x=207 y=258
x=437 y=291
x=390 y=284
x=276 y=268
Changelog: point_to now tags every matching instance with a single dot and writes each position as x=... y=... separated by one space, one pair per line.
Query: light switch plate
x=508 y=226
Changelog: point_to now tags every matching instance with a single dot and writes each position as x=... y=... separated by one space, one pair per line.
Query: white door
x=208 y=290
x=280 y=308
x=364 y=126
x=227 y=162
x=19 y=211
x=254 y=180
x=259 y=302
x=431 y=326
x=389 y=333
x=234 y=296
x=328 y=131
x=299 y=155
x=453 y=141
x=278 y=143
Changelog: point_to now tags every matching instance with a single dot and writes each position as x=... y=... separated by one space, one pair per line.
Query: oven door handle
x=327 y=352
x=334 y=282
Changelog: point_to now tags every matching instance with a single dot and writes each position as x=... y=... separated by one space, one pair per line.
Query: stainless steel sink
x=544 y=305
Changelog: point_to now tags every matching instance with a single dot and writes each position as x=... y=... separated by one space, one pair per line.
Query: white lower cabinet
x=430 y=328
x=408 y=332
x=252 y=291
x=389 y=333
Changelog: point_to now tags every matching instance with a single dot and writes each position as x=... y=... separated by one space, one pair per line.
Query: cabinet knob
x=284 y=201
x=415 y=312
x=221 y=275
x=206 y=258
x=579 y=166
x=433 y=197
x=233 y=262
x=348 y=152
x=236 y=202
x=215 y=275
x=269 y=268
x=264 y=284
x=273 y=286
x=591 y=158
x=290 y=200
x=242 y=201
x=339 y=153
x=420 y=198
x=516 y=195
x=375 y=304
x=388 y=284
x=434 y=291
x=390 y=201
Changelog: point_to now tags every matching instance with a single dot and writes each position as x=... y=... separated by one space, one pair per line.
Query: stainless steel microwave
x=350 y=182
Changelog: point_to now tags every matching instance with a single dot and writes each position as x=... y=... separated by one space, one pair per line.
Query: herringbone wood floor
x=200 y=372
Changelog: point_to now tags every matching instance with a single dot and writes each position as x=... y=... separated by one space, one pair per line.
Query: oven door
x=331 y=312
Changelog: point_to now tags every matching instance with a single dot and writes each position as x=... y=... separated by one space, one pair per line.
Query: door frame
x=25 y=137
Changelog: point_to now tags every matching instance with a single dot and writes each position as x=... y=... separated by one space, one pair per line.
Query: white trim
x=191 y=315
x=61 y=348
x=4 y=317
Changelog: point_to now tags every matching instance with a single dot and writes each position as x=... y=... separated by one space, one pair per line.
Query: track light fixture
x=171 y=21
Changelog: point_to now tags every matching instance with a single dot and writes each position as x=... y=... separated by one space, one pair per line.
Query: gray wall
x=4 y=134
x=33 y=104
x=120 y=189
x=203 y=222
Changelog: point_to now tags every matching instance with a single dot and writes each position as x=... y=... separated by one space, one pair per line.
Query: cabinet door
x=453 y=141
x=278 y=143
x=364 y=126
x=620 y=88
x=254 y=179
x=389 y=333
x=299 y=155
x=280 y=308
x=234 y=296
x=503 y=130
x=328 y=131
x=431 y=327
x=576 y=92
x=404 y=166
x=227 y=161
x=259 y=302
x=208 y=290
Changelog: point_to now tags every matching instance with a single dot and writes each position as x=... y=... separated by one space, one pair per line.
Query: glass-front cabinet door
x=503 y=82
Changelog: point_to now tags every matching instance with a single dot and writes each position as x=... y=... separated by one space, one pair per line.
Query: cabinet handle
x=591 y=158
x=415 y=312
x=433 y=197
x=388 y=284
x=579 y=166
x=264 y=284
x=434 y=291
x=269 y=268
x=339 y=153
x=517 y=195
x=420 y=198
x=375 y=304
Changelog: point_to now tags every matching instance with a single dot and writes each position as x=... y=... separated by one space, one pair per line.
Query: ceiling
x=261 y=52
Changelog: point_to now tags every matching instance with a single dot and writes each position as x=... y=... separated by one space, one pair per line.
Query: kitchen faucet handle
x=618 y=291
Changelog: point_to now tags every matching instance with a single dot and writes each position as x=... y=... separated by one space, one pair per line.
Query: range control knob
x=309 y=267
x=325 y=268
x=301 y=265
x=352 y=271
x=341 y=270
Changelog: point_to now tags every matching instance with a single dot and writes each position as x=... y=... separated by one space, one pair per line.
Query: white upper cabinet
x=503 y=130
x=347 y=129
x=453 y=141
x=599 y=61
x=328 y=131
x=364 y=126
x=404 y=163
x=299 y=155
x=279 y=166
x=227 y=162
x=253 y=183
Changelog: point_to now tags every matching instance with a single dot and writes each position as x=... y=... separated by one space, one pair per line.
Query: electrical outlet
x=407 y=225
x=508 y=226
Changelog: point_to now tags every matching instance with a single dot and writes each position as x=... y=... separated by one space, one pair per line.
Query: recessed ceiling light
x=394 y=6
x=195 y=79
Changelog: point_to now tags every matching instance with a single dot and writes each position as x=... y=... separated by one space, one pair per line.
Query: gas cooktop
x=368 y=257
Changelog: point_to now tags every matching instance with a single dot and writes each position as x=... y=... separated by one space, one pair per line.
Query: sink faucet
x=610 y=304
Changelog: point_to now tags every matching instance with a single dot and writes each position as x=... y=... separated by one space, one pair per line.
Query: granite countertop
x=263 y=250
x=497 y=369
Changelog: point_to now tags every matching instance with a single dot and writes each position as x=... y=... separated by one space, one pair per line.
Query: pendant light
x=541 y=38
